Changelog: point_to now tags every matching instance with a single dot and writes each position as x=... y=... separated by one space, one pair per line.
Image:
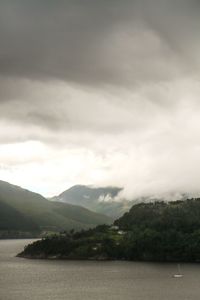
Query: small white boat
x=179 y=274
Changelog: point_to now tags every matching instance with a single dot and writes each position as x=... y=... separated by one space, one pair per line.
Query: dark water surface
x=22 y=279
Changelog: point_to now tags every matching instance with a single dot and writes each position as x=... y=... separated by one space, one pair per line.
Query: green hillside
x=28 y=211
x=162 y=231
x=156 y=231
x=11 y=219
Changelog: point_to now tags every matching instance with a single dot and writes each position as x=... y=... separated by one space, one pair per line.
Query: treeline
x=157 y=231
x=162 y=231
x=100 y=243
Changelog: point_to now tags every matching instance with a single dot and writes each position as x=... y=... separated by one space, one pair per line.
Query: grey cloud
x=127 y=44
x=91 y=42
x=118 y=80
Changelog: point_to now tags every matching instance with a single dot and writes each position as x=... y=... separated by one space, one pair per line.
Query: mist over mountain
x=109 y=200
x=99 y=199
x=79 y=207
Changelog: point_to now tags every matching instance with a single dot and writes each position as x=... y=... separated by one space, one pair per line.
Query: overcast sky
x=101 y=93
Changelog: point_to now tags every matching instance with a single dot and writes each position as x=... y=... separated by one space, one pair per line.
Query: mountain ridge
x=97 y=199
x=42 y=214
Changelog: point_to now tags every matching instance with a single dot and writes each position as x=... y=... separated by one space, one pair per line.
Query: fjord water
x=23 y=279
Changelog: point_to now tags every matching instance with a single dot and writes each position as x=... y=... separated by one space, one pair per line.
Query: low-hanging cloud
x=103 y=93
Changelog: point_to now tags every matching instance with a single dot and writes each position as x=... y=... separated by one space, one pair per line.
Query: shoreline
x=103 y=259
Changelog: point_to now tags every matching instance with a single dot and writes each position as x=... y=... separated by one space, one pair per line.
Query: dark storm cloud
x=95 y=42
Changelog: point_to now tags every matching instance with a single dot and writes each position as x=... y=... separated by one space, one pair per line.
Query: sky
x=100 y=93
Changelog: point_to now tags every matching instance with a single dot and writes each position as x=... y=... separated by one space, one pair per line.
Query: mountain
x=105 y=200
x=23 y=210
x=157 y=231
x=11 y=219
x=100 y=200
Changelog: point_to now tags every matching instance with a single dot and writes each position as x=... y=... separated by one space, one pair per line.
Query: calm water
x=22 y=279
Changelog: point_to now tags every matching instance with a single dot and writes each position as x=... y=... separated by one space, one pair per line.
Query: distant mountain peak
x=98 y=199
x=23 y=210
